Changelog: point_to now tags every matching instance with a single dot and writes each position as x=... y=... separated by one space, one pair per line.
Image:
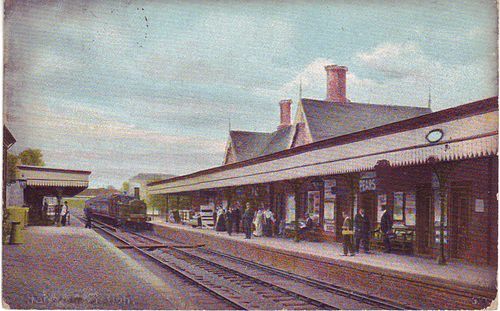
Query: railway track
x=245 y=285
x=324 y=292
x=201 y=296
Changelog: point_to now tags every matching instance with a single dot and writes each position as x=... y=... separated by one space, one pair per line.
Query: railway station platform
x=416 y=281
x=75 y=268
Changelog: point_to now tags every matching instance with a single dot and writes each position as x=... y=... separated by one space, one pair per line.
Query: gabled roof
x=8 y=138
x=330 y=157
x=327 y=119
x=249 y=145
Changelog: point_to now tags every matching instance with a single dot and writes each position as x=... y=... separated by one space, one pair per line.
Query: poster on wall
x=313 y=204
x=381 y=200
x=410 y=209
x=329 y=216
x=290 y=208
x=330 y=186
x=479 y=206
x=398 y=206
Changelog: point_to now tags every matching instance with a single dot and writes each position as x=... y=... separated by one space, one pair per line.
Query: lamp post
x=296 y=185
x=441 y=172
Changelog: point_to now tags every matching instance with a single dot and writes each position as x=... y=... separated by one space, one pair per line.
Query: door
x=369 y=204
x=424 y=222
x=459 y=221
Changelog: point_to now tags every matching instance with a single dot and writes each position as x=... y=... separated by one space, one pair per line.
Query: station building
x=438 y=172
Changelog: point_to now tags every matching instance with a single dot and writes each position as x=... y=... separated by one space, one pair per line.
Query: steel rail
x=165 y=265
x=375 y=301
x=312 y=301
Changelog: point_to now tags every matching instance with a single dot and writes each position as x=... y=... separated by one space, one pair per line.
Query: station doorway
x=424 y=228
x=459 y=219
x=368 y=202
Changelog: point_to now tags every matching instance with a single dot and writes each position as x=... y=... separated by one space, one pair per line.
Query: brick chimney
x=336 y=83
x=285 y=113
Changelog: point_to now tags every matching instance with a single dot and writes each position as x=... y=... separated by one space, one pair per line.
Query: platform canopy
x=463 y=132
x=53 y=181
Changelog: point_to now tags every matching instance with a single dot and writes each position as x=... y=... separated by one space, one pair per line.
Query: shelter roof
x=40 y=176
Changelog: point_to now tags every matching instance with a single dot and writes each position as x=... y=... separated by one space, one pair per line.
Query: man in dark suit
x=386 y=227
x=362 y=231
x=247 y=221
x=236 y=217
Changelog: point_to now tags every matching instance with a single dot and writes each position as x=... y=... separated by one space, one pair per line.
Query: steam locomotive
x=118 y=210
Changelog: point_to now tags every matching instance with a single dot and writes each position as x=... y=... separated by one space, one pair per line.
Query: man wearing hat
x=347 y=234
x=386 y=227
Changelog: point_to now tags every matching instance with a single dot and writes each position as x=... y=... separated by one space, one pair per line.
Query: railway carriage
x=119 y=210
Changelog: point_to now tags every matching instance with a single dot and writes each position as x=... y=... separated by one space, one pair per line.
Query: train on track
x=119 y=210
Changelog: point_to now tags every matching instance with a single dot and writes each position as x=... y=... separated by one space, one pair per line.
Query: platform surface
x=456 y=272
x=75 y=268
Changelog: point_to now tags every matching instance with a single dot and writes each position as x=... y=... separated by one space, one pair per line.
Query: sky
x=127 y=87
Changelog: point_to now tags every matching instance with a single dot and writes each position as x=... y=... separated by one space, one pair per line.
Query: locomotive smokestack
x=137 y=193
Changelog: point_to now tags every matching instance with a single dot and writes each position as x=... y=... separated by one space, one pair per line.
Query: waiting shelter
x=38 y=182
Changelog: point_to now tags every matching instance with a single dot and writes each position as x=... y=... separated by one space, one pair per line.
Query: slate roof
x=250 y=145
x=325 y=120
x=329 y=119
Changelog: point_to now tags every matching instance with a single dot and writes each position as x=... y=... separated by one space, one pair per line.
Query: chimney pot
x=336 y=83
x=285 y=113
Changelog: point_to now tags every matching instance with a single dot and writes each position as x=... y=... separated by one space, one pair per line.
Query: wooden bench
x=312 y=235
x=403 y=242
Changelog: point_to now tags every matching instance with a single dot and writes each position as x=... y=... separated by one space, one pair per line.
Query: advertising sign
x=290 y=208
x=398 y=206
x=330 y=186
x=410 y=209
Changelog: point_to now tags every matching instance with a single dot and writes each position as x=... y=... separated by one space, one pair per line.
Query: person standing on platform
x=386 y=228
x=268 y=222
x=247 y=221
x=64 y=213
x=258 y=220
x=347 y=234
x=45 y=208
x=236 y=217
x=221 y=220
x=57 y=214
x=362 y=231
x=229 y=221
x=88 y=217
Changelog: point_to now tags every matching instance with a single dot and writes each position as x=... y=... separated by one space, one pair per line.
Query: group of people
x=61 y=213
x=359 y=233
x=257 y=223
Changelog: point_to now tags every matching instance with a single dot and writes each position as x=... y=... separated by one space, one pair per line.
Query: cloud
x=397 y=60
x=401 y=74
x=312 y=78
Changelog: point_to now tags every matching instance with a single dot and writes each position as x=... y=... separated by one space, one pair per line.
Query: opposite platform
x=420 y=282
x=75 y=268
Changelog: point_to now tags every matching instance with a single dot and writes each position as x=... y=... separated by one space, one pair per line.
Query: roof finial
x=429 y=103
x=300 y=89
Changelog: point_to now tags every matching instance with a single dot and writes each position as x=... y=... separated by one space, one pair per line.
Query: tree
x=12 y=162
x=125 y=186
x=31 y=157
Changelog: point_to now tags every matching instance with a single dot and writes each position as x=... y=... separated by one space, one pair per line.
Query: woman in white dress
x=257 y=221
